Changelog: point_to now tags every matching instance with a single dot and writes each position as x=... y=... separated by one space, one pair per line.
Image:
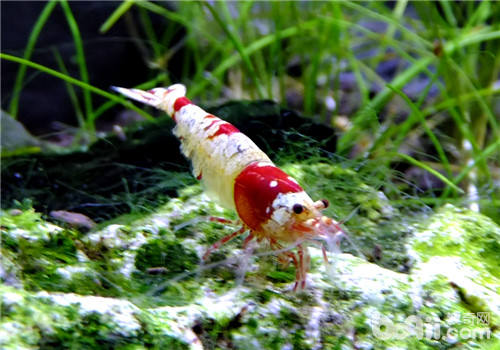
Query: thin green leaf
x=417 y=114
x=80 y=55
x=430 y=170
x=238 y=46
x=35 y=32
x=76 y=82
x=71 y=91
x=116 y=15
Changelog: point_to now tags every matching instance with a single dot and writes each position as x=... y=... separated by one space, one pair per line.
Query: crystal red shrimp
x=238 y=175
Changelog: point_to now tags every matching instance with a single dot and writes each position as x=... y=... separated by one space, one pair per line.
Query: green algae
x=457 y=232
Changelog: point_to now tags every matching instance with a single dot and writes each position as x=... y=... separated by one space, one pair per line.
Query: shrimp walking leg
x=222 y=241
x=220 y=220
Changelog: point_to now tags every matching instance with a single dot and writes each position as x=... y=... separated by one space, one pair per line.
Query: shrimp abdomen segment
x=218 y=151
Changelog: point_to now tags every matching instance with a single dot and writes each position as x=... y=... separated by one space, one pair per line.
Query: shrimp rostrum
x=238 y=175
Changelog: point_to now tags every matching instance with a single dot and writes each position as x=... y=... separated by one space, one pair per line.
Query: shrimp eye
x=325 y=203
x=298 y=208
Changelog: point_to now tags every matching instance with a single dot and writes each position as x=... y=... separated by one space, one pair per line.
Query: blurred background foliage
x=412 y=86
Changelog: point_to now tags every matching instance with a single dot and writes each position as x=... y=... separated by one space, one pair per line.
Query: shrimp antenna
x=348 y=237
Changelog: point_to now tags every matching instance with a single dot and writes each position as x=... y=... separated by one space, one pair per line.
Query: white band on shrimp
x=284 y=202
x=174 y=92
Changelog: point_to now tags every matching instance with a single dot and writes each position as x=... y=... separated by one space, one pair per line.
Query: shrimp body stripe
x=218 y=151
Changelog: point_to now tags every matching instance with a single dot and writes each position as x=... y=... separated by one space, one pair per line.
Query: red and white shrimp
x=239 y=175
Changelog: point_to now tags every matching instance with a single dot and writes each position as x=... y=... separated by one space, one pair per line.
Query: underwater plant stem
x=71 y=91
x=77 y=82
x=115 y=16
x=419 y=116
x=430 y=170
x=82 y=65
x=362 y=117
x=238 y=46
x=37 y=28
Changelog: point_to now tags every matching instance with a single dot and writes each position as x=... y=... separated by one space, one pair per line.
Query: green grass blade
x=485 y=107
x=488 y=151
x=448 y=13
x=238 y=46
x=481 y=13
x=418 y=115
x=76 y=82
x=116 y=15
x=360 y=119
x=175 y=17
x=311 y=74
x=430 y=170
x=71 y=91
x=162 y=11
x=454 y=101
x=35 y=32
x=150 y=32
x=401 y=130
x=249 y=50
x=362 y=9
x=80 y=55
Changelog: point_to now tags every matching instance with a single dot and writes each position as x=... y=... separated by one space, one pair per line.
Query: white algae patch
x=68 y=271
x=453 y=270
x=111 y=237
x=374 y=283
x=10 y=298
x=119 y=312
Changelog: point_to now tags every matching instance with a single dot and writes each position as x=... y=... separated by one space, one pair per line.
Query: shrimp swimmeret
x=238 y=175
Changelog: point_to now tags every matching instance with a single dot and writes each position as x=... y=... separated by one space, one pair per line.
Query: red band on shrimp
x=256 y=188
x=224 y=129
x=181 y=102
x=216 y=121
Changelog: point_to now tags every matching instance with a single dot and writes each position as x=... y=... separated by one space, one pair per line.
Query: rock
x=434 y=285
x=15 y=138
x=73 y=219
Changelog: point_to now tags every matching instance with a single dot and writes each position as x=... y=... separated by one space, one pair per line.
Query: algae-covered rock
x=69 y=321
x=421 y=281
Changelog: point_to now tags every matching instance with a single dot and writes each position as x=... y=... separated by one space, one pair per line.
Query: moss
x=24 y=217
x=154 y=334
x=47 y=325
x=124 y=220
x=290 y=317
x=264 y=295
x=88 y=332
x=39 y=251
x=169 y=254
x=333 y=294
x=189 y=192
x=286 y=276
